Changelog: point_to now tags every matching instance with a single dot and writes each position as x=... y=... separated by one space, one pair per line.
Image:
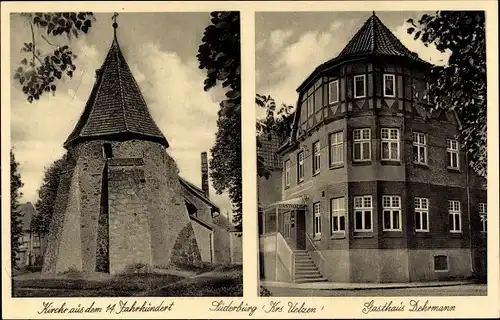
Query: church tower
x=119 y=202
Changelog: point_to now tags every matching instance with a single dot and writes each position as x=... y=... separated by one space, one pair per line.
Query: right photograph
x=371 y=153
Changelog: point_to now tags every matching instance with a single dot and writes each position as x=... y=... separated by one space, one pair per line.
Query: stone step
x=304 y=263
x=305 y=267
x=311 y=280
x=307 y=274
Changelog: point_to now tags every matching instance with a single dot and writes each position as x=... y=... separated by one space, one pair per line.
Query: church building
x=369 y=186
x=121 y=201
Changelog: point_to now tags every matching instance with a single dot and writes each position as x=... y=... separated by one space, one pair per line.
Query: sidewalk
x=361 y=286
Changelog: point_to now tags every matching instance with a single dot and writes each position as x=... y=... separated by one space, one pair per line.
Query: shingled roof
x=373 y=38
x=116 y=108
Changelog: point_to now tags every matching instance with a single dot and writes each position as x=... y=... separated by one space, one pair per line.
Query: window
x=287 y=173
x=452 y=152
x=454 y=216
x=317 y=219
x=300 y=166
x=318 y=99
x=36 y=241
x=483 y=217
x=359 y=86
x=25 y=240
x=389 y=85
x=333 y=91
x=310 y=106
x=107 y=151
x=316 y=157
x=337 y=215
x=391 y=213
x=440 y=263
x=390 y=144
x=363 y=214
x=421 y=214
x=419 y=148
x=361 y=144
x=336 y=148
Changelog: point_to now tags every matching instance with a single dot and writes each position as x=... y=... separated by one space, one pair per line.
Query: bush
x=264 y=292
x=138 y=267
x=72 y=272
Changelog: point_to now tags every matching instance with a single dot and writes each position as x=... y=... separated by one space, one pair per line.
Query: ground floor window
x=454 y=216
x=363 y=214
x=337 y=215
x=440 y=263
x=391 y=213
x=483 y=217
x=317 y=219
x=421 y=214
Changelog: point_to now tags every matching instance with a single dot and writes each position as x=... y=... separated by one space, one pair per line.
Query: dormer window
x=359 y=86
x=389 y=85
x=107 y=151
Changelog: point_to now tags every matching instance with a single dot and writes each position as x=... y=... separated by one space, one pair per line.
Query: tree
x=219 y=55
x=38 y=72
x=461 y=84
x=277 y=122
x=16 y=227
x=47 y=196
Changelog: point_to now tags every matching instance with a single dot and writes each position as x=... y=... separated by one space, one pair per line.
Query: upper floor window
x=361 y=144
x=390 y=144
x=317 y=219
x=452 y=152
x=287 y=173
x=363 y=214
x=359 y=86
x=337 y=215
x=333 y=91
x=300 y=166
x=421 y=214
x=483 y=217
x=107 y=151
x=316 y=157
x=36 y=241
x=389 y=85
x=454 y=218
x=391 y=213
x=310 y=106
x=336 y=148
x=419 y=148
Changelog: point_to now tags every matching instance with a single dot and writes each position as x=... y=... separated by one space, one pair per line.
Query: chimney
x=204 y=174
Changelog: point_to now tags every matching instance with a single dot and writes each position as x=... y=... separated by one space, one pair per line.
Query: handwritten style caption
x=114 y=308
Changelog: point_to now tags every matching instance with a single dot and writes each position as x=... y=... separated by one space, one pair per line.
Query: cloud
x=278 y=38
x=173 y=89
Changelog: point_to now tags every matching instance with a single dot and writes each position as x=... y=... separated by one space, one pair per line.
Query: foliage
x=461 y=84
x=219 y=55
x=16 y=227
x=38 y=72
x=47 y=196
x=277 y=122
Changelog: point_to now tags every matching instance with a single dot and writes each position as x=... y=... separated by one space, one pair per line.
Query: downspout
x=468 y=211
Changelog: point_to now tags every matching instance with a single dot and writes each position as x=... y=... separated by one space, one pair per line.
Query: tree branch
x=43 y=37
x=33 y=39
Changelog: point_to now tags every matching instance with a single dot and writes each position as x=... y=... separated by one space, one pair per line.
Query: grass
x=217 y=281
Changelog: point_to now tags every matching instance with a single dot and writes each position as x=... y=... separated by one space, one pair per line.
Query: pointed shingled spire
x=116 y=107
x=375 y=38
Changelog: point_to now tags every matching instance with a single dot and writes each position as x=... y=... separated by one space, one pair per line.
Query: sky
x=290 y=45
x=160 y=49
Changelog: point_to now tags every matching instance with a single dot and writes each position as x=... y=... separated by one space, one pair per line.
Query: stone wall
x=236 y=239
x=204 y=239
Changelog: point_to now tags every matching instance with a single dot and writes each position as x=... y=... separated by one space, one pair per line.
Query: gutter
x=468 y=211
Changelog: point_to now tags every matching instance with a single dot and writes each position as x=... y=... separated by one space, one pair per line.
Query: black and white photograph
x=125 y=154
x=371 y=153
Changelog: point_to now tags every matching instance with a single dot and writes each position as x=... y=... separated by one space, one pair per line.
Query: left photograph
x=125 y=154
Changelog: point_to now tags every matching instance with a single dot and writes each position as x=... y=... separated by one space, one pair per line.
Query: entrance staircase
x=305 y=268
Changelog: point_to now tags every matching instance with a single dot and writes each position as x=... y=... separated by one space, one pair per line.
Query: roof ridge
x=122 y=97
x=374 y=34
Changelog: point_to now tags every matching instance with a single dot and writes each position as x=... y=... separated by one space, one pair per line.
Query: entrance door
x=286 y=226
x=300 y=227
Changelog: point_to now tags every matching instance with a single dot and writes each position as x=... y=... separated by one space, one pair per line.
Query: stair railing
x=315 y=248
x=285 y=254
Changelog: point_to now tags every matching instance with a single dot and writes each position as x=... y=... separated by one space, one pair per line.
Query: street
x=460 y=290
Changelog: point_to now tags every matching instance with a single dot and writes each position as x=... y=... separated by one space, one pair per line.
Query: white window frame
x=361 y=141
x=330 y=85
x=389 y=140
x=36 y=241
x=363 y=209
x=393 y=85
x=454 y=209
x=338 y=146
x=287 y=172
x=337 y=210
x=447 y=263
x=421 y=212
x=317 y=219
x=361 y=76
x=392 y=204
x=316 y=157
x=483 y=215
x=300 y=166
x=420 y=142
x=452 y=150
